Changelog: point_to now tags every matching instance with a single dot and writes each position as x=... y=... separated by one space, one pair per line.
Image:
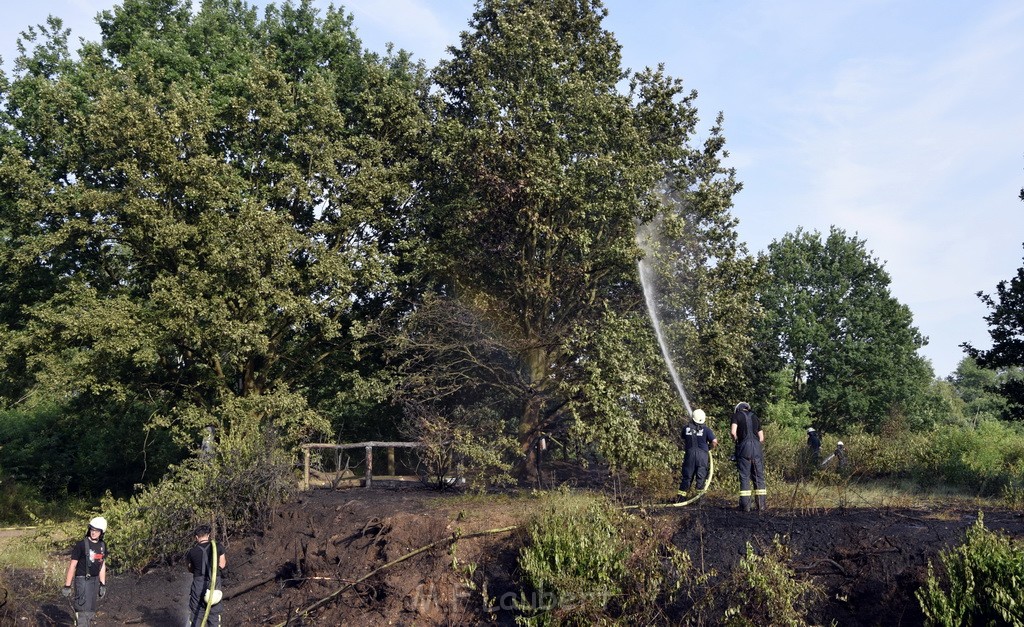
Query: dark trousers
x=197 y=604
x=87 y=594
x=750 y=464
x=695 y=465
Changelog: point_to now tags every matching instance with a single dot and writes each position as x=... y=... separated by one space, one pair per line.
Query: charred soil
x=320 y=562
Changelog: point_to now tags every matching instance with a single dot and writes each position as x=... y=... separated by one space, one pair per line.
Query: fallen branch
x=452 y=538
x=815 y=564
x=249 y=586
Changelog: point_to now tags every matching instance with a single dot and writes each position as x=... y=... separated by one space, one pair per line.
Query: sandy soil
x=869 y=561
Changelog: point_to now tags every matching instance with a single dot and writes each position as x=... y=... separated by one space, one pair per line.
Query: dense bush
x=17 y=502
x=236 y=489
x=586 y=562
x=979 y=582
x=984 y=460
x=469 y=445
x=764 y=590
x=61 y=451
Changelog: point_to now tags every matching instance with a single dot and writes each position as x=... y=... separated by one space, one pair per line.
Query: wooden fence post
x=369 y=465
x=391 y=461
x=305 y=469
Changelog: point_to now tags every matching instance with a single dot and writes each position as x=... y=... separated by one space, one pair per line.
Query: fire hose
x=694 y=498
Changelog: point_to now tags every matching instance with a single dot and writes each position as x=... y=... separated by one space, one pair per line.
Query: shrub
x=891 y=454
x=764 y=590
x=987 y=460
x=237 y=489
x=657 y=485
x=980 y=582
x=785 y=451
x=466 y=444
x=17 y=502
x=587 y=563
x=103 y=448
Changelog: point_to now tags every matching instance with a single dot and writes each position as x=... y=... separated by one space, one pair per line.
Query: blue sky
x=898 y=121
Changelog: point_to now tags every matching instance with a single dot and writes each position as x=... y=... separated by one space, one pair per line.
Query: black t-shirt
x=200 y=557
x=90 y=556
x=739 y=418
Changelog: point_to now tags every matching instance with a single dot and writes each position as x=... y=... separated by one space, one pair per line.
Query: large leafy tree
x=849 y=345
x=979 y=388
x=199 y=212
x=1006 y=328
x=543 y=169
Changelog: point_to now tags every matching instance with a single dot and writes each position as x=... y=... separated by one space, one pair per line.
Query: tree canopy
x=703 y=279
x=1006 y=328
x=542 y=170
x=201 y=209
x=848 y=344
x=217 y=219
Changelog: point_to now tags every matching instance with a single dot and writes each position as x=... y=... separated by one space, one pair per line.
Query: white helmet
x=839 y=443
x=98 y=523
x=810 y=429
x=699 y=416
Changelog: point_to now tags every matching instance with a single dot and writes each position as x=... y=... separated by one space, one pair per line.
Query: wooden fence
x=368 y=476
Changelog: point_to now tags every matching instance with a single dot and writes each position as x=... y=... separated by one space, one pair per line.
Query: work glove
x=103 y=589
x=66 y=591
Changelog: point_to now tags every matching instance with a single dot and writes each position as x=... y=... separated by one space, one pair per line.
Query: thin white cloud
x=913 y=147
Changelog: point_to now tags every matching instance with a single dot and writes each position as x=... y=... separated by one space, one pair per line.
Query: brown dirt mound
x=869 y=561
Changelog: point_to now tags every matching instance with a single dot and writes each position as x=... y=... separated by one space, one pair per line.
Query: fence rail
x=368 y=446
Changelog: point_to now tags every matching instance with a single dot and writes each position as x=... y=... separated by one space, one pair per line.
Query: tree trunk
x=532 y=414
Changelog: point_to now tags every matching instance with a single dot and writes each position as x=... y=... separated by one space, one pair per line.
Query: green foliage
x=979 y=389
x=1006 y=327
x=204 y=207
x=979 y=584
x=1013 y=494
x=892 y=453
x=96 y=453
x=701 y=280
x=626 y=408
x=986 y=460
x=573 y=564
x=785 y=452
x=588 y=563
x=547 y=168
x=237 y=489
x=764 y=590
x=18 y=502
x=781 y=408
x=463 y=445
x=939 y=404
x=831 y=318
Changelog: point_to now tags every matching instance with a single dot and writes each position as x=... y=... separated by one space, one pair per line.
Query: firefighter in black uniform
x=699 y=440
x=814 y=445
x=746 y=431
x=86 y=577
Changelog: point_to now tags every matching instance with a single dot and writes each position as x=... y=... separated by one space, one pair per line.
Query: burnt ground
x=868 y=562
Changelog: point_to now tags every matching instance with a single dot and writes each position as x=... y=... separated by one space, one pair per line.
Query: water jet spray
x=647 y=282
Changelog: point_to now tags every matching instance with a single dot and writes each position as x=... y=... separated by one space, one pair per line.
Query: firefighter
x=86 y=577
x=204 y=561
x=814 y=445
x=749 y=437
x=699 y=440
